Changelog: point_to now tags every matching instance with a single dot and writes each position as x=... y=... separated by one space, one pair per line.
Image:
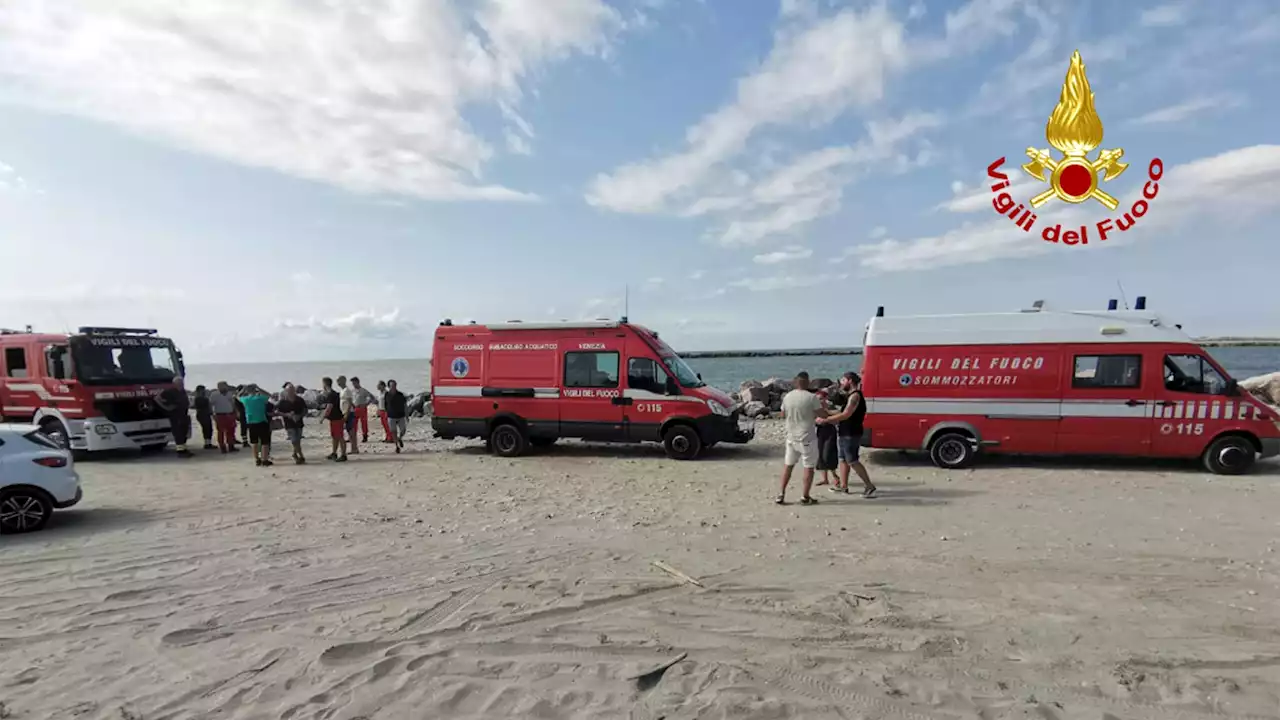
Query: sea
x=726 y=373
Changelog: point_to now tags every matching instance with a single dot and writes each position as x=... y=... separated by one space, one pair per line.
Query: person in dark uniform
x=848 y=424
x=204 y=415
x=174 y=401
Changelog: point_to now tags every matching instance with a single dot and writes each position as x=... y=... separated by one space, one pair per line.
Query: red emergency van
x=90 y=390
x=1052 y=382
x=519 y=384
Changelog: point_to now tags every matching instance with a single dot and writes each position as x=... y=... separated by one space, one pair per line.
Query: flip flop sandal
x=870 y=494
x=781 y=500
x=808 y=501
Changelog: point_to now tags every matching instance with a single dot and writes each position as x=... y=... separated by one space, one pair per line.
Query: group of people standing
x=255 y=411
x=823 y=433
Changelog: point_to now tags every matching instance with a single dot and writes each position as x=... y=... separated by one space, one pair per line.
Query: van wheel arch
x=952 y=447
x=963 y=428
x=1212 y=457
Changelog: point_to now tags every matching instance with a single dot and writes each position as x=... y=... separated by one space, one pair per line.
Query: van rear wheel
x=507 y=440
x=682 y=443
x=1230 y=455
x=952 y=451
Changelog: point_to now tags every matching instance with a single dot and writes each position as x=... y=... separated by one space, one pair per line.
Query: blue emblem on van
x=460 y=367
x=905 y=380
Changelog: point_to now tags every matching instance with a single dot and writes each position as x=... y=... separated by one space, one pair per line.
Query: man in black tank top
x=848 y=424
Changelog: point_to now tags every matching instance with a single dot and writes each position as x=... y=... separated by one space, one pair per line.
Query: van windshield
x=119 y=360
x=1193 y=374
x=685 y=374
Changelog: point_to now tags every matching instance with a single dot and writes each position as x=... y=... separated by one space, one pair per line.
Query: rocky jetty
x=1264 y=387
x=762 y=399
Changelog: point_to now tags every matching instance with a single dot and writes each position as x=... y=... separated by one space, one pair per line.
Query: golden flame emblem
x=1074 y=129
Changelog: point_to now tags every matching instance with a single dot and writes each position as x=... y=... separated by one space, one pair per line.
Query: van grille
x=130 y=410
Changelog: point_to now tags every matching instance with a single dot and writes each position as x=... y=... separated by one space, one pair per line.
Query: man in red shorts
x=333 y=415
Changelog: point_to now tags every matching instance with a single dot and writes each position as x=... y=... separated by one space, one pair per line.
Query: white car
x=36 y=476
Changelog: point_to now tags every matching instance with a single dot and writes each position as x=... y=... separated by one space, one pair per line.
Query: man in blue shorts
x=848 y=424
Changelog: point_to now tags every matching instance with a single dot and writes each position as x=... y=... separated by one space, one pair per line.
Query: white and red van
x=519 y=384
x=1052 y=382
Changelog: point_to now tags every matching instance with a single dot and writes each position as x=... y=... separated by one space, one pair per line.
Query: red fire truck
x=92 y=390
x=1040 y=381
x=519 y=384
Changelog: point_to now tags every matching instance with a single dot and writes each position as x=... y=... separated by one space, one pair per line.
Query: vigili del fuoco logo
x=1075 y=130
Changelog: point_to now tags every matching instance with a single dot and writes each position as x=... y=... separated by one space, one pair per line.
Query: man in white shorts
x=802 y=410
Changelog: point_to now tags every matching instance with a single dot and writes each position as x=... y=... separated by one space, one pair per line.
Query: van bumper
x=99 y=434
x=1270 y=447
x=732 y=428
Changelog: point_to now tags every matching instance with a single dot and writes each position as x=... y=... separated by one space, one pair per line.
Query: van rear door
x=1107 y=401
x=591 y=390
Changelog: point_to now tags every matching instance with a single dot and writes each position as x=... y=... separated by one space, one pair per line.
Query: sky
x=290 y=180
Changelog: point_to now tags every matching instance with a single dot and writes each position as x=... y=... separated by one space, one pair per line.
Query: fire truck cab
x=1041 y=381
x=519 y=384
x=92 y=390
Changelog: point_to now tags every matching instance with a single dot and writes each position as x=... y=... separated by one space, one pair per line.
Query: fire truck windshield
x=118 y=360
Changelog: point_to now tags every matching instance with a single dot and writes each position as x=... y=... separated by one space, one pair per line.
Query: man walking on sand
x=224 y=416
x=394 y=405
x=382 y=412
x=361 y=398
x=801 y=409
x=293 y=411
x=257 y=413
x=175 y=402
x=848 y=424
x=331 y=413
x=347 y=400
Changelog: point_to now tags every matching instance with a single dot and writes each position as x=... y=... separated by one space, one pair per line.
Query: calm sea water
x=725 y=373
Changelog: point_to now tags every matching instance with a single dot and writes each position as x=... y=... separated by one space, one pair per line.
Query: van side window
x=645 y=374
x=1191 y=374
x=56 y=362
x=1107 y=371
x=15 y=362
x=591 y=369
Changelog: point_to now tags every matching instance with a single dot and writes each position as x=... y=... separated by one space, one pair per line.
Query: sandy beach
x=446 y=583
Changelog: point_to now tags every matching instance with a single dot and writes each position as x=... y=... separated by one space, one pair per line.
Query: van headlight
x=717 y=408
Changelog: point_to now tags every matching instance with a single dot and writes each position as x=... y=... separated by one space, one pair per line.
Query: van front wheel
x=507 y=441
x=1230 y=455
x=952 y=451
x=682 y=443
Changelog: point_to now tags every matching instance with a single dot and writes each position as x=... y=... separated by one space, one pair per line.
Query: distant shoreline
x=1239 y=342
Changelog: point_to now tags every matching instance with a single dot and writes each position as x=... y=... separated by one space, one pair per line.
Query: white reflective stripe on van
x=460 y=391
x=1011 y=408
x=474 y=391
x=40 y=392
x=657 y=397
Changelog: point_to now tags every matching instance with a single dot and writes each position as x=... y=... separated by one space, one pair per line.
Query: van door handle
x=1135 y=403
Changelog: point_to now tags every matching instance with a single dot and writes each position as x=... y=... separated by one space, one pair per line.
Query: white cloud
x=879 y=231
x=968 y=201
x=517 y=143
x=370 y=96
x=697 y=274
x=813 y=74
x=1164 y=15
x=812 y=186
x=366 y=324
x=1194 y=106
x=787 y=254
x=788 y=282
x=1234 y=185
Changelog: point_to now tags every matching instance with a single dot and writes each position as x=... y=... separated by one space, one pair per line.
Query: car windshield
x=685 y=374
x=117 y=360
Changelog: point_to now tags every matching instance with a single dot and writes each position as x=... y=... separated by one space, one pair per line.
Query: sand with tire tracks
x=446 y=583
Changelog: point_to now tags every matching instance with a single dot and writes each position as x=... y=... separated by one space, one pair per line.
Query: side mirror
x=1233 y=388
x=672 y=387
